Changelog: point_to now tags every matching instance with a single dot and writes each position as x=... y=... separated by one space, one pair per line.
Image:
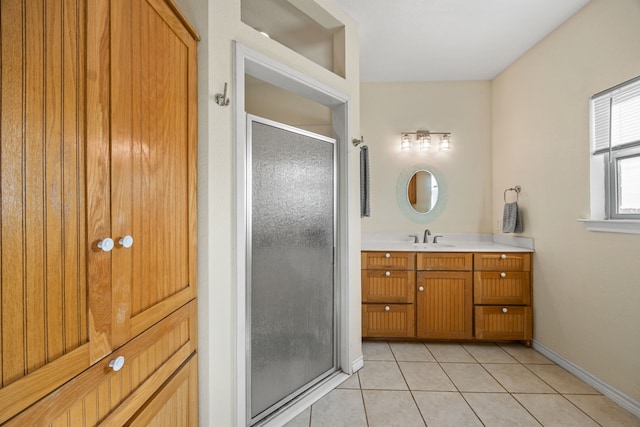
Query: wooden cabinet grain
x=388 y=294
x=444 y=302
x=502 y=297
x=455 y=295
x=98 y=141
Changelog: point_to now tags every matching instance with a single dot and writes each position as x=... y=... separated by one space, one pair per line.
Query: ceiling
x=431 y=40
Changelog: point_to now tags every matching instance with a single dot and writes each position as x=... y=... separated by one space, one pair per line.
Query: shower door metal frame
x=249 y=62
x=249 y=262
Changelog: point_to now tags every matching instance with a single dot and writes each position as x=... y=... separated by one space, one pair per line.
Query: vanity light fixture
x=423 y=137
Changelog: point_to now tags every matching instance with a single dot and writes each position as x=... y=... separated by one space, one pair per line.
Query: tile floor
x=442 y=384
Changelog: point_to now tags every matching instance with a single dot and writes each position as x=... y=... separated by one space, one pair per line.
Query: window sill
x=628 y=226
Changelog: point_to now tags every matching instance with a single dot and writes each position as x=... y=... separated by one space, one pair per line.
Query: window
x=615 y=140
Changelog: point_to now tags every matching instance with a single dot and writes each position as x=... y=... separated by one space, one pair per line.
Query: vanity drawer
x=519 y=261
x=444 y=261
x=503 y=323
x=388 y=320
x=507 y=287
x=388 y=286
x=377 y=260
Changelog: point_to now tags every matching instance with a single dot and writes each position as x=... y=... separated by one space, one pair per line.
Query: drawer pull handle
x=503 y=274
x=504 y=309
x=387 y=255
x=106 y=244
x=503 y=256
x=421 y=288
x=387 y=308
x=388 y=273
x=117 y=363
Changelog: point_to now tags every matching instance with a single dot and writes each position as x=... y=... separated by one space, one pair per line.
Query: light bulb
x=425 y=142
x=445 y=143
x=405 y=143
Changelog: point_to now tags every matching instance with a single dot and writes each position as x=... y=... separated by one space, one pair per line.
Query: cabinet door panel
x=388 y=320
x=492 y=287
x=113 y=397
x=152 y=164
x=445 y=261
x=518 y=261
x=444 y=305
x=388 y=260
x=503 y=323
x=43 y=280
x=388 y=286
x=176 y=403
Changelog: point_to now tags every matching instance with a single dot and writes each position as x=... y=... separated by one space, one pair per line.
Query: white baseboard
x=357 y=364
x=612 y=393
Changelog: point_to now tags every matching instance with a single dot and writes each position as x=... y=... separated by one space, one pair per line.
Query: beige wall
x=271 y=102
x=586 y=284
x=463 y=108
x=218 y=22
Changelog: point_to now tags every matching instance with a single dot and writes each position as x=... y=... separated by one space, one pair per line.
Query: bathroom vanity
x=463 y=291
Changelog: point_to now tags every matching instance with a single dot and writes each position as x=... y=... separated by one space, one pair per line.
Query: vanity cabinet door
x=444 y=304
x=390 y=286
x=444 y=261
x=388 y=320
x=502 y=296
x=502 y=261
x=503 y=322
x=388 y=260
x=500 y=287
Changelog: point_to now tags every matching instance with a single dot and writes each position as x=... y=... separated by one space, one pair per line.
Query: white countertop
x=447 y=243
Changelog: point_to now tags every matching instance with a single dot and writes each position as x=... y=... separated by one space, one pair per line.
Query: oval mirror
x=422 y=191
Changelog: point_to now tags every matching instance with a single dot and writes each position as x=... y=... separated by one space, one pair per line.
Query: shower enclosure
x=291 y=298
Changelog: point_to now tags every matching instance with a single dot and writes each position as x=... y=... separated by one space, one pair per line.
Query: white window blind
x=615 y=117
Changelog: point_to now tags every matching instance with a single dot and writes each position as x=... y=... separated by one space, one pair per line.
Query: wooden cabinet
x=444 y=302
x=502 y=297
x=447 y=295
x=100 y=395
x=388 y=294
x=98 y=142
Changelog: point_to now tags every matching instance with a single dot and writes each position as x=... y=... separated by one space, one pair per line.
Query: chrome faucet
x=415 y=238
x=435 y=239
x=425 y=238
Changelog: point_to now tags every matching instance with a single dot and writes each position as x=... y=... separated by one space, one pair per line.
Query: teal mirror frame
x=403 y=200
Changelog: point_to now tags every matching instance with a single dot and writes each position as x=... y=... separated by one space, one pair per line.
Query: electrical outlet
x=498 y=225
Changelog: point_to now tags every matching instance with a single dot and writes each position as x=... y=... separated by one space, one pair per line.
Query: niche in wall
x=302 y=26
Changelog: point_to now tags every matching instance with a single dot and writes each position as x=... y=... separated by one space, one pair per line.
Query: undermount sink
x=431 y=245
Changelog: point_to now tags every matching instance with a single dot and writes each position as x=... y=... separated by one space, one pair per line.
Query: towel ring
x=517 y=189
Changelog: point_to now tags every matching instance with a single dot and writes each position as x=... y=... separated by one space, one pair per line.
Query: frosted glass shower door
x=290 y=291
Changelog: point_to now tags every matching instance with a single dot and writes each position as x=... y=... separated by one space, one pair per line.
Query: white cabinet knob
x=126 y=241
x=387 y=308
x=504 y=309
x=503 y=274
x=117 y=363
x=388 y=273
x=387 y=255
x=106 y=244
x=421 y=288
x=503 y=256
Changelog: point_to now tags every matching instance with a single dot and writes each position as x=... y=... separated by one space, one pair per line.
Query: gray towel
x=511 y=218
x=365 y=208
